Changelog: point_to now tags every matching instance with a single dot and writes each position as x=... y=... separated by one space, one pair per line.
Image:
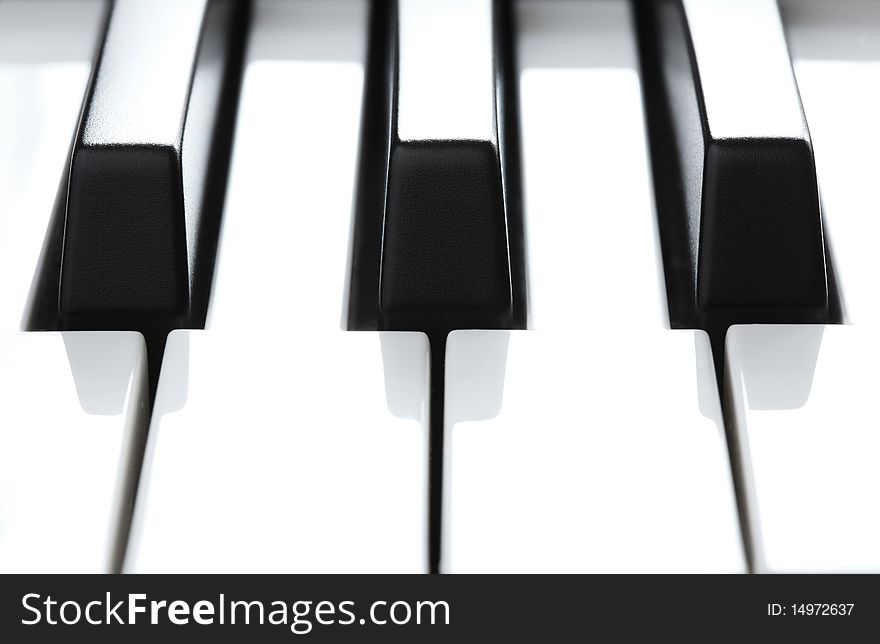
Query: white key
x=608 y=452
x=74 y=414
x=46 y=51
x=276 y=452
x=446 y=95
x=600 y=460
x=272 y=446
x=803 y=398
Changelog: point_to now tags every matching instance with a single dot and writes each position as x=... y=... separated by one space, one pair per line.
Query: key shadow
x=476 y=363
x=104 y=378
x=777 y=364
x=100 y=371
x=707 y=383
x=175 y=374
x=405 y=358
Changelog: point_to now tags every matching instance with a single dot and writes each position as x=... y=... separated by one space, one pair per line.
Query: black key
x=437 y=239
x=149 y=166
x=438 y=233
x=734 y=175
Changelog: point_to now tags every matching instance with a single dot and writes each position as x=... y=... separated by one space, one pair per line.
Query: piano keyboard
x=410 y=286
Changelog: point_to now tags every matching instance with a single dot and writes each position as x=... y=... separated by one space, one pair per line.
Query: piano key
x=44 y=70
x=437 y=238
x=148 y=169
x=280 y=440
x=733 y=165
x=803 y=403
x=74 y=416
x=438 y=244
x=282 y=465
x=801 y=395
x=607 y=452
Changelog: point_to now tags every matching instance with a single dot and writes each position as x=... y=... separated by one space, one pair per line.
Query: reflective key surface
x=271 y=448
x=593 y=442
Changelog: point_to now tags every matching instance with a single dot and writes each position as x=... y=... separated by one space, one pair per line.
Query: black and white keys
x=605 y=453
x=572 y=446
x=437 y=241
x=803 y=396
x=734 y=175
x=437 y=238
x=274 y=448
x=148 y=168
x=73 y=405
x=44 y=75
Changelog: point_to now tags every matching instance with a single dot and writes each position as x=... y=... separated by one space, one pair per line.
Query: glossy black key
x=737 y=197
x=149 y=165
x=437 y=233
